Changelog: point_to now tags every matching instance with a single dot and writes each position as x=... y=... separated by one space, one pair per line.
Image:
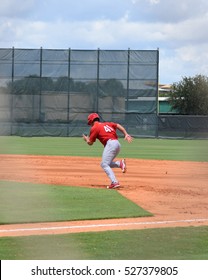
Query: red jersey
x=103 y=132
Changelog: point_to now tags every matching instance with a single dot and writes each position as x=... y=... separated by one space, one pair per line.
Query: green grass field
x=189 y=243
x=21 y=202
x=193 y=150
x=29 y=203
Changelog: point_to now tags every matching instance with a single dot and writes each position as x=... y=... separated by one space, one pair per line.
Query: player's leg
x=119 y=163
x=111 y=150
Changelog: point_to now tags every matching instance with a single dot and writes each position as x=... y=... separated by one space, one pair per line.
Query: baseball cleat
x=113 y=185
x=123 y=165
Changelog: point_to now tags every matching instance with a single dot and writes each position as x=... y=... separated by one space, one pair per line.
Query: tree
x=30 y=85
x=113 y=88
x=190 y=96
x=64 y=83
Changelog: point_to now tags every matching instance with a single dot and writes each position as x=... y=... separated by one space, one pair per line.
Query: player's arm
x=127 y=137
x=87 y=139
x=92 y=137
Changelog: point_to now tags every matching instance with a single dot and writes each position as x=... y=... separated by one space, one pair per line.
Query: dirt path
x=175 y=192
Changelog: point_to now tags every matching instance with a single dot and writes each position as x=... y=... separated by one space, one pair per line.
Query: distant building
x=164 y=105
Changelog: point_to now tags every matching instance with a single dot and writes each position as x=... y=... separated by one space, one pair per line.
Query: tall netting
x=51 y=92
x=185 y=126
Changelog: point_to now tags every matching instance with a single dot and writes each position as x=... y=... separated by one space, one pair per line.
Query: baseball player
x=106 y=133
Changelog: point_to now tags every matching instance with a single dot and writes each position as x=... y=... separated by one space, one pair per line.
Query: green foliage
x=190 y=96
x=112 y=87
x=63 y=84
x=34 y=84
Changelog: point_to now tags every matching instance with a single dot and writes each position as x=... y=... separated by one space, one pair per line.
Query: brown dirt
x=176 y=193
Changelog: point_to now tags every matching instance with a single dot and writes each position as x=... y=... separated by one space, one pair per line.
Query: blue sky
x=177 y=27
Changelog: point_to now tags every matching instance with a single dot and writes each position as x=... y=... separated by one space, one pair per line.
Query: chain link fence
x=46 y=92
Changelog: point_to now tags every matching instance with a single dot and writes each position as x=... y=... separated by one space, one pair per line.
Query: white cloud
x=167 y=10
x=12 y=8
x=154 y=1
x=177 y=27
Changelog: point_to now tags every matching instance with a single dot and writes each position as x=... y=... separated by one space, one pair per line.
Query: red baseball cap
x=91 y=118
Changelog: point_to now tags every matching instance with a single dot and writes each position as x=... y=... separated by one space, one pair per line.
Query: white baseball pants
x=111 y=150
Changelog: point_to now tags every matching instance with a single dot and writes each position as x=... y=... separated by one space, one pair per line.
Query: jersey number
x=108 y=128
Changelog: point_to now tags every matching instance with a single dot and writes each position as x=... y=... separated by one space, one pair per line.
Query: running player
x=106 y=133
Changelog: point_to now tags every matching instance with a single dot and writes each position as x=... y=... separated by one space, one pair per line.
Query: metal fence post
x=98 y=82
x=12 y=97
x=157 y=97
x=40 y=87
x=127 y=85
x=69 y=88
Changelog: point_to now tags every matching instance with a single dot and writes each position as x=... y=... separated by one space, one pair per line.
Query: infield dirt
x=175 y=192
